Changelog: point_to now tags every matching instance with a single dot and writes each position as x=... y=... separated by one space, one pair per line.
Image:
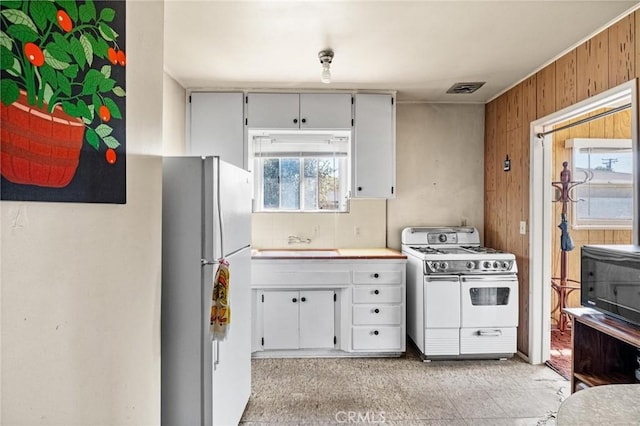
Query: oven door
x=489 y=301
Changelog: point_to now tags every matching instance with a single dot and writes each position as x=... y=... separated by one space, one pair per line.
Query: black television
x=610 y=280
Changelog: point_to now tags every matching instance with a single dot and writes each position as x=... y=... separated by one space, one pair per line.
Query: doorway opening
x=583 y=168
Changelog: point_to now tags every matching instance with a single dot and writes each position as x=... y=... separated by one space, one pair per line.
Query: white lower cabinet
x=298 y=319
x=316 y=307
x=378 y=320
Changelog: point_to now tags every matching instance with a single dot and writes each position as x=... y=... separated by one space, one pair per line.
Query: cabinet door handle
x=295 y=121
x=376 y=291
x=376 y=332
x=304 y=120
x=376 y=310
x=294 y=300
x=376 y=275
x=359 y=188
x=303 y=299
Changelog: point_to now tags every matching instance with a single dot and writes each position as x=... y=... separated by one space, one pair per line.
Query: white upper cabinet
x=374 y=135
x=299 y=111
x=273 y=111
x=325 y=111
x=217 y=126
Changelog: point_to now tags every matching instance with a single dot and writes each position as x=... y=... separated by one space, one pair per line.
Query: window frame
x=598 y=143
x=300 y=145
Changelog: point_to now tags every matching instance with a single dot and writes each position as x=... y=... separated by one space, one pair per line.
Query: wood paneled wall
x=606 y=60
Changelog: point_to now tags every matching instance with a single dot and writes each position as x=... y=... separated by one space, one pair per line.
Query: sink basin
x=297 y=253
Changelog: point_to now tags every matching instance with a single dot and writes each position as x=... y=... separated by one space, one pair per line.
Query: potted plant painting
x=57 y=88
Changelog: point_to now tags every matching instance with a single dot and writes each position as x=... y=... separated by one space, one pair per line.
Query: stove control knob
x=471 y=265
x=496 y=265
x=444 y=265
x=505 y=265
x=436 y=265
x=487 y=265
x=442 y=238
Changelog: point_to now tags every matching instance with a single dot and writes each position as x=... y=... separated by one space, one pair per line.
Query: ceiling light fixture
x=325 y=56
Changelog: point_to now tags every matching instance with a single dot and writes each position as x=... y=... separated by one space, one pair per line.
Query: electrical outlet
x=523 y=228
x=356 y=230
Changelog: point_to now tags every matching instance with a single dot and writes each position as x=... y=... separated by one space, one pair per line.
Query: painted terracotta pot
x=37 y=147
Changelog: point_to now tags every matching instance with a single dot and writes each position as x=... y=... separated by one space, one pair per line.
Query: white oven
x=489 y=300
x=462 y=299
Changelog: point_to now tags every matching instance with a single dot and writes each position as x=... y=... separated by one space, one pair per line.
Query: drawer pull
x=303 y=299
x=490 y=333
x=294 y=300
x=376 y=275
x=376 y=291
x=376 y=332
x=376 y=310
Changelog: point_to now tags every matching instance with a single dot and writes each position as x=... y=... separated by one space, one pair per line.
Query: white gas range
x=462 y=299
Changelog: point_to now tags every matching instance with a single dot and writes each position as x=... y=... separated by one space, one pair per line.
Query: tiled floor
x=403 y=391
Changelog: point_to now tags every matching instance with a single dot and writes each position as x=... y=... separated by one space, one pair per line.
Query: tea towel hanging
x=220 y=309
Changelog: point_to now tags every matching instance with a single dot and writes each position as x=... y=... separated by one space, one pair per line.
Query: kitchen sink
x=297 y=253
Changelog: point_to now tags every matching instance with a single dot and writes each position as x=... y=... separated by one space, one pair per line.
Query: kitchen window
x=606 y=201
x=300 y=172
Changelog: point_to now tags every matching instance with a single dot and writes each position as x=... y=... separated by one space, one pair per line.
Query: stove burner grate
x=483 y=250
x=428 y=250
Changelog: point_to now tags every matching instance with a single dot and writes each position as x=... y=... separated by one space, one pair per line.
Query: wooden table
x=602 y=405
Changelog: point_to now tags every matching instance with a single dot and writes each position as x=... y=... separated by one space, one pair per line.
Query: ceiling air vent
x=465 y=88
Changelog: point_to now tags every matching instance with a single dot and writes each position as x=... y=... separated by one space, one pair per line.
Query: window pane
x=328 y=184
x=290 y=183
x=605 y=202
x=609 y=195
x=310 y=184
x=271 y=179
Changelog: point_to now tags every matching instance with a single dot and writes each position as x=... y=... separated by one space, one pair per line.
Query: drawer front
x=263 y=277
x=488 y=340
x=377 y=294
x=377 y=277
x=377 y=338
x=377 y=314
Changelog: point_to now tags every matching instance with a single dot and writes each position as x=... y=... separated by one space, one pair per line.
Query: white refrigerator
x=206 y=215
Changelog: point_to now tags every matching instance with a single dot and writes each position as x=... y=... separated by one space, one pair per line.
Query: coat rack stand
x=565 y=286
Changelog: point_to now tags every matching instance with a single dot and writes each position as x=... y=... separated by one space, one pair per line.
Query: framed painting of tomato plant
x=63 y=92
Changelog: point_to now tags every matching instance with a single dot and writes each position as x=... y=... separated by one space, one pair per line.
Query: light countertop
x=343 y=253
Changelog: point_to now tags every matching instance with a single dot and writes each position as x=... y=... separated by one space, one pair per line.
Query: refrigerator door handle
x=204 y=262
x=217 y=357
x=220 y=219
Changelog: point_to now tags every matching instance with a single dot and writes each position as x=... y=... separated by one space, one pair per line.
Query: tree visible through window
x=283 y=188
x=296 y=173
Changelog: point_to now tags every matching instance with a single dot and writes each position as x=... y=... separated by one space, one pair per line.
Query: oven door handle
x=503 y=278
x=432 y=278
x=490 y=333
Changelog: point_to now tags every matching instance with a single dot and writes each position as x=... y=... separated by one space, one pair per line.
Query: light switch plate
x=523 y=228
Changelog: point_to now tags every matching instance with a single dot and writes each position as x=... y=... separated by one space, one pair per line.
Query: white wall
x=81 y=282
x=363 y=226
x=440 y=167
x=173 y=117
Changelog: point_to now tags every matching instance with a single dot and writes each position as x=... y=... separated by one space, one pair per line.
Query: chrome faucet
x=295 y=239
